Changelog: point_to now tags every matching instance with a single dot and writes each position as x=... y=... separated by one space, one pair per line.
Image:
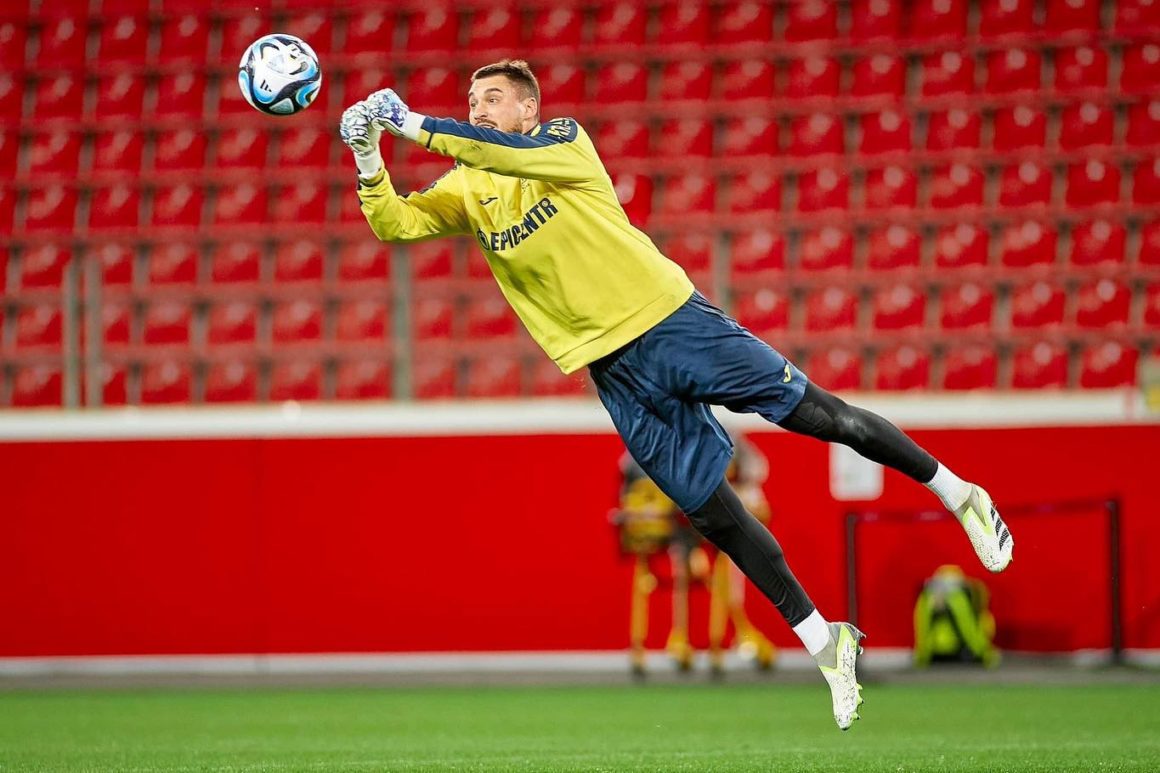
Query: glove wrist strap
x=369 y=164
x=412 y=124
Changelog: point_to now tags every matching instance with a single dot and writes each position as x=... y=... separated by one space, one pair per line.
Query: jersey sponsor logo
x=498 y=241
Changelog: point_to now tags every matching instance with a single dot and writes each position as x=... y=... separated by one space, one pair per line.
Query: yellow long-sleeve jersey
x=582 y=279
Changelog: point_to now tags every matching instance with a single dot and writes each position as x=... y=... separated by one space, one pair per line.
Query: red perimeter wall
x=502 y=543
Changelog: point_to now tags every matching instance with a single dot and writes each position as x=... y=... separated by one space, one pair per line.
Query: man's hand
x=358 y=131
x=363 y=123
x=388 y=111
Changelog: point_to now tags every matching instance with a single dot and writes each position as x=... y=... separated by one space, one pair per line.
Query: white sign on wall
x=853 y=477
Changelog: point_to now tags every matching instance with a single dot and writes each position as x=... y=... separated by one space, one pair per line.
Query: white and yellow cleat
x=987 y=532
x=839 y=665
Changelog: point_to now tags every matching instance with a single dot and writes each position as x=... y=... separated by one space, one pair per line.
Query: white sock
x=948 y=487
x=813 y=632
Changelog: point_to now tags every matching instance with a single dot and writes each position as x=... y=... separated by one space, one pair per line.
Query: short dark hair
x=517 y=71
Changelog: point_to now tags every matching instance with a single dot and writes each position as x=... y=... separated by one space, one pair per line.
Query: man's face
x=497 y=103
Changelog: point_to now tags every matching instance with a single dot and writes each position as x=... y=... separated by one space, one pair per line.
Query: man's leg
x=827 y=417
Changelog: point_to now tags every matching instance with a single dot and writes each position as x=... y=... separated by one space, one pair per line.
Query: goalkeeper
x=595 y=292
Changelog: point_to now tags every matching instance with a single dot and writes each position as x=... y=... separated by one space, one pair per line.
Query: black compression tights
x=827 y=417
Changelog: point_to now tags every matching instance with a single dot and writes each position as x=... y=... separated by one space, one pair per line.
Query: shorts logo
x=788 y=375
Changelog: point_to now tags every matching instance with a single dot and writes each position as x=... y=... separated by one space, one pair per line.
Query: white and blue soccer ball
x=279 y=74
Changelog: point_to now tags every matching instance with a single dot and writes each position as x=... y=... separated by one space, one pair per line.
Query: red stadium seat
x=180 y=95
x=825 y=249
x=7 y=208
x=634 y=191
x=813 y=77
x=1029 y=243
x=1146 y=182
x=622 y=82
x=681 y=24
x=9 y=146
x=365 y=80
x=364 y=260
x=298 y=261
x=1149 y=250
x=1098 y=242
x=692 y=251
x=564 y=84
x=885 y=132
x=623 y=24
x=830 y=309
x=50 y=209
x=875 y=20
x=835 y=369
x=362 y=379
x=557 y=27
x=973 y=366
x=816 y=134
x=117 y=152
x=116 y=323
x=173 y=263
x=62 y=43
x=114 y=389
x=116 y=206
x=1001 y=18
x=1107 y=365
x=432 y=260
x=184 y=39
x=37 y=385
x=898 y=307
x=179 y=206
x=893 y=247
x=43 y=265
x=879 y=75
x=295 y=380
x=296 y=320
x=362 y=321
x=1019 y=127
x=120 y=96
x=749 y=136
x=433 y=27
x=236 y=261
x=54 y=152
x=546 y=380
x=304 y=147
x=762 y=311
x=58 y=96
x=1135 y=16
x=167 y=322
x=756 y=191
x=238 y=32
x=1092 y=183
x=493 y=377
x=304 y=202
x=1143 y=123
x=242 y=148
x=1081 y=68
x=968 y=306
x=747 y=79
x=685 y=80
x=1013 y=70
x=1039 y=304
x=823 y=189
x=13 y=43
x=956 y=186
x=756 y=252
x=231 y=381
x=811 y=20
x=489 y=317
x=116 y=263
x=687 y=194
x=434 y=378
x=1141 y=69
x=1102 y=304
x=315 y=27
x=902 y=368
x=1086 y=125
x=953 y=129
x=891 y=187
x=937 y=20
x=1151 y=314
x=123 y=39
x=369 y=30
x=232 y=322
x=623 y=139
x=38 y=326
x=1065 y=16
x=1041 y=365
x=432 y=318
x=744 y=21
x=684 y=138
x=436 y=90
x=1025 y=184
x=244 y=204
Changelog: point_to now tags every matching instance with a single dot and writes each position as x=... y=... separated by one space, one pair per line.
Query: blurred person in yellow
x=953 y=621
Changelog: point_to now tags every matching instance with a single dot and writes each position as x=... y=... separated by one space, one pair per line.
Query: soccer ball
x=279 y=74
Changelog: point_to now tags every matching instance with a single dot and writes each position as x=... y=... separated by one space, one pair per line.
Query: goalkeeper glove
x=363 y=123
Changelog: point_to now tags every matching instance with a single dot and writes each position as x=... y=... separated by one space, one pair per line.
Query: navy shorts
x=659 y=387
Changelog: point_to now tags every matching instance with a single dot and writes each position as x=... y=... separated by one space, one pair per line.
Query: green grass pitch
x=694 y=727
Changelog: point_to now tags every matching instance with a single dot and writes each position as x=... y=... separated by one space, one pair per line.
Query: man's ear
x=531 y=107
